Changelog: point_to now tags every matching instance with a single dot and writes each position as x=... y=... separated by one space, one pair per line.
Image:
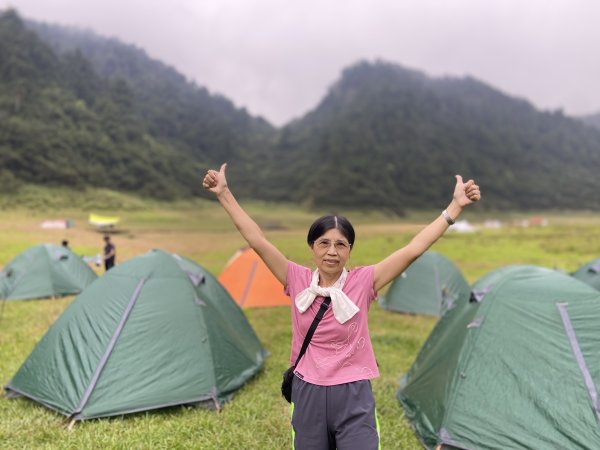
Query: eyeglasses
x=340 y=246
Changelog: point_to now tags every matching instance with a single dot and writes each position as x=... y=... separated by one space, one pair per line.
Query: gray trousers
x=334 y=417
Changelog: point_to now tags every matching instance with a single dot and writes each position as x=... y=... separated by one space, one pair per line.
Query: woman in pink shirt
x=332 y=401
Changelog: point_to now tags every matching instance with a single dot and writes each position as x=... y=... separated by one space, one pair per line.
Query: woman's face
x=331 y=252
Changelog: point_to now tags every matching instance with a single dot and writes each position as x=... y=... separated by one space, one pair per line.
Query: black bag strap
x=313 y=327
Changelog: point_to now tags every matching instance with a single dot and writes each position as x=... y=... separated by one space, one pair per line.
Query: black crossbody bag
x=288 y=375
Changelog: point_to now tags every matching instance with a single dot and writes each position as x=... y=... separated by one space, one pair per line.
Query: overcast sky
x=277 y=58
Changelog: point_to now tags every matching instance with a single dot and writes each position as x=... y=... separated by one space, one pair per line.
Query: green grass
x=257 y=417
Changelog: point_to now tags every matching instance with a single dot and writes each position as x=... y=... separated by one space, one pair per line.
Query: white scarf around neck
x=343 y=308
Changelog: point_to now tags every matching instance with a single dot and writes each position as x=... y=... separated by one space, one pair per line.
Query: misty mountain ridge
x=390 y=136
x=382 y=137
x=144 y=129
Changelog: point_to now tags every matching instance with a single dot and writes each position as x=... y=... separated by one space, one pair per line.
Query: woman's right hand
x=214 y=181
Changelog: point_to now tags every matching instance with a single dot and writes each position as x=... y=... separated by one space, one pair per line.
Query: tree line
x=80 y=110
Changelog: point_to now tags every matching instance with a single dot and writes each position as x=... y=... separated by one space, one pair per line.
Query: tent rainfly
x=589 y=273
x=431 y=285
x=46 y=270
x=516 y=366
x=155 y=331
x=251 y=283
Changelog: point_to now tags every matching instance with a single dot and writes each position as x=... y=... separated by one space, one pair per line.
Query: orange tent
x=250 y=283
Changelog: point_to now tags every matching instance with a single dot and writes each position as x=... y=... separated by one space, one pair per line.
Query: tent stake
x=71 y=425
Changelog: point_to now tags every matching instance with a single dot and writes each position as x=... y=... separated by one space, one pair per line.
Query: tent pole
x=110 y=347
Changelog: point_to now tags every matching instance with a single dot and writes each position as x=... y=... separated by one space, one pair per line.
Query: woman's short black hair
x=325 y=223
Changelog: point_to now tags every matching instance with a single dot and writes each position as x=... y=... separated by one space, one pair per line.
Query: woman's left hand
x=466 y=193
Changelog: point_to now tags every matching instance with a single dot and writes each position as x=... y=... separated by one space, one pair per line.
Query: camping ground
x=257 y=417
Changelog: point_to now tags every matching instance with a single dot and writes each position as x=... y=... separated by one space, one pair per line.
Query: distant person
x=110 y=253
x=65 y=244
x=333 y=405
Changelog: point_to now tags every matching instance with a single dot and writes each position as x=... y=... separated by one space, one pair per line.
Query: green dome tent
x=45 y=270
x=516 y=367
x=155 y=331
x=589 y=273
x=489 y=280
x=431 y=285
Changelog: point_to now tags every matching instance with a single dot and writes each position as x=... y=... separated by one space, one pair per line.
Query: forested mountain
x=591 y=119
x=99 y=113
x=209 y=128
x=80 y=110
x=391 y=137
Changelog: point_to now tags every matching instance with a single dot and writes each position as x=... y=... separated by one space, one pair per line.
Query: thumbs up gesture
x=215 y=181
x=466 y=193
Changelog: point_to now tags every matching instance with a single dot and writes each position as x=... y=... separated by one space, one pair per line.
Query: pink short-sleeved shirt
x=338 y=353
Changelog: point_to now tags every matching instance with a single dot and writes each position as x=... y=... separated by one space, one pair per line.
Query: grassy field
x=257 y=417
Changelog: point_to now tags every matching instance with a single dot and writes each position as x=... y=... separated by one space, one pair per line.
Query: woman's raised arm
x=277 y=263
x=397 y=262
